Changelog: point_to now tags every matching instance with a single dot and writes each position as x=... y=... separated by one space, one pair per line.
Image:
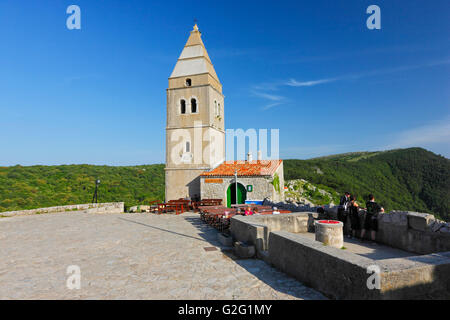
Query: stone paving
x=130 y=256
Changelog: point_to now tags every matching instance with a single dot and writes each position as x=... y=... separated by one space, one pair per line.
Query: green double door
x=231 y=194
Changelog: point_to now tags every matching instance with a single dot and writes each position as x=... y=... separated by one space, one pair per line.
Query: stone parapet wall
x=255 y=230
x=343 y=275
x=110 y=207
x=411 y=231
x=414 y=232
x=294 y=207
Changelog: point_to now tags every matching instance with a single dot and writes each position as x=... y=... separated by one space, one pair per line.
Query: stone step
x=243 y=250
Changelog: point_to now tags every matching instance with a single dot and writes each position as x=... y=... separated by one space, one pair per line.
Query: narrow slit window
x=193 y=105
x=183 y=106
x=188 y=146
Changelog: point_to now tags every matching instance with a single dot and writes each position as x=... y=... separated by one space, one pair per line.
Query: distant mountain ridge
x=403 y=179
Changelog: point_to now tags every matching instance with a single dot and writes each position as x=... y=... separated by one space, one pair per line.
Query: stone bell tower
x=195 y=131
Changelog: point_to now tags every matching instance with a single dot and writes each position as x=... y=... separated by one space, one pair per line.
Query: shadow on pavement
x=281 y=282
x=161 y=229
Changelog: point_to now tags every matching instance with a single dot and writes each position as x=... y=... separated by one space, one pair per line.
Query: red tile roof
x=245 y=168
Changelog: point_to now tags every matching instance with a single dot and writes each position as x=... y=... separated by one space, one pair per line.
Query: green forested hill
x=404 y=179
x=413 y=179
x=45 y=186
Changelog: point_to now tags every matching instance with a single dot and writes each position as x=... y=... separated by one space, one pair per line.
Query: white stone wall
x=182 y=183
x=110 y=207
x=262 y=187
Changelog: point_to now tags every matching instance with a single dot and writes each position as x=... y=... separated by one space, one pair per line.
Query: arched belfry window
x=188 y=146
x=193 y=105
x=188 y=82
x=183 y=106
x=215 y=107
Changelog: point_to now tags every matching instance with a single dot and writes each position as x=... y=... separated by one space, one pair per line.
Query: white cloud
x=271 y=105
x=309 y=83
x=295 y=83
x=423 y=136
x=275 y=100
x=268 y=96
x=278 y=100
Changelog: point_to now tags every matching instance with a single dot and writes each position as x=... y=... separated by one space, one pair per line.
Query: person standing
x=371 y=219
x=354 y=216
x=322 y=213
x=343 y=210
x=248 y=211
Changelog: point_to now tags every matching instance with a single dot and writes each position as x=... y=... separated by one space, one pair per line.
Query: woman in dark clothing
x=354 y=217
x=371 y=220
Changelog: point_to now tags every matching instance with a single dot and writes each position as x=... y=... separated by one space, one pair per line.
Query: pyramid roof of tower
x=194 y=58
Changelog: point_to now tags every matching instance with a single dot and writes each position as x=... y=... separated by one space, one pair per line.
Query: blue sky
x=310 y=68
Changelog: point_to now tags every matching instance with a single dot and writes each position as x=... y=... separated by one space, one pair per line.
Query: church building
x=195 y=138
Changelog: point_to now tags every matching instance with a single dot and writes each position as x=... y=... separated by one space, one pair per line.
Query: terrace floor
x=368 y=249
x=130 y=256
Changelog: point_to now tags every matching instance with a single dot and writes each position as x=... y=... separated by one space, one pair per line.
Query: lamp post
x=235 y=181
x=94 y=199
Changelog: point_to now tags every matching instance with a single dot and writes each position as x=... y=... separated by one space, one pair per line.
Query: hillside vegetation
x=45 y=186
x=404 y=179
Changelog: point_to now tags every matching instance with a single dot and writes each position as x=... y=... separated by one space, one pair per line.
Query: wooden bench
x=170 y=207
x=217 y=216
x=184 y=203
x=205 y=202
x=210 y=202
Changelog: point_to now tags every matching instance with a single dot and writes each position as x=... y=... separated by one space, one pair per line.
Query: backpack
x=373 y=208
